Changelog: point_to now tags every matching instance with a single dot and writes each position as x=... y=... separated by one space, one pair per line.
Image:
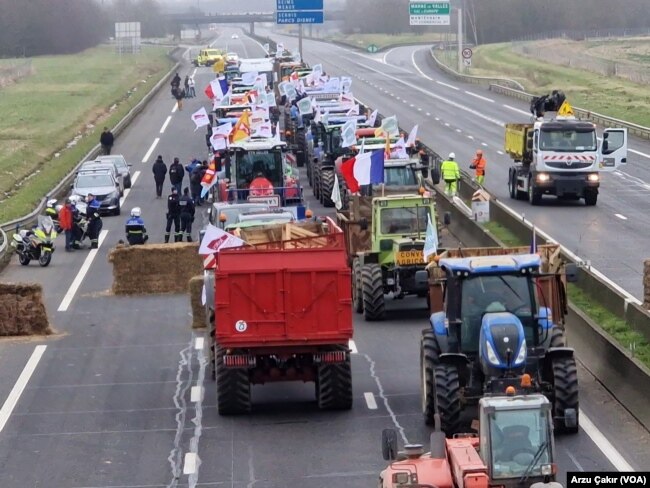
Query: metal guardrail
x=60 y=187
x=4 y=241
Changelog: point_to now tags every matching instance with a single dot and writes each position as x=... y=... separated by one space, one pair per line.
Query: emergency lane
x=461 y=124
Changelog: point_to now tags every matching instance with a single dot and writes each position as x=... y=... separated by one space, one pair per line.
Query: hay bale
x=22 y=310
x=154 y=268
x=646 y=284
x=195 y=286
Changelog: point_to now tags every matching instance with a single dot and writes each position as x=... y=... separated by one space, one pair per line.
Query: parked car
x=103 y=186
x=104 y=166
x=122 y=166
x=232 y=58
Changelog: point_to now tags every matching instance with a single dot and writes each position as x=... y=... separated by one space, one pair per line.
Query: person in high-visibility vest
x=478 y=165
x=450 y=172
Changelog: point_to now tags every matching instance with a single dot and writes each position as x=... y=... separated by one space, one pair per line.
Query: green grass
x=65 y=97
x=614 y=326
x=381 y=40
x=610 y=96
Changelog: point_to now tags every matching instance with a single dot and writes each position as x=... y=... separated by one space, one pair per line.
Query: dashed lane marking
x=175 y=108
x=479 y=96
x=196 y=394
x=370 y=400
x=639 y=153
x=353 y=346
x=190 y=463
x=622 y=217
x=153 y=146
x=164 y=126
x=198 y=343
x=515 y=109
x=448 y=85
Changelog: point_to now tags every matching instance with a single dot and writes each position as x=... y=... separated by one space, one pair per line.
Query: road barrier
x=23 y=310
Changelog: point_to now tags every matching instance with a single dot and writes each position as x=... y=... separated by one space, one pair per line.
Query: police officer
x=136 y=232
x=94 y=220
x=173 y=215
x=187 y=214
x=451 y=174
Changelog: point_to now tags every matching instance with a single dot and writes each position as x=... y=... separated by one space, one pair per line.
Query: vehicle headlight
x=521 y=355
x=593 y=177
x=491 y=355
x=542 y=177
x=547 y=469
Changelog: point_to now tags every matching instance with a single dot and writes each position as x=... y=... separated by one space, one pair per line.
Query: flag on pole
x=216 y=239
x=387 y=147
x=373 y=118
x=533 y=243
x=431 y=240
x=412 y=136
x=364 y=169
x=209 y=178
x=200 y=118
x=336 y=193
x=242 y=129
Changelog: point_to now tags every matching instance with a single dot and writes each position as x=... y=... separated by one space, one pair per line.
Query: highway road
x=120 y=398
x=613 y=236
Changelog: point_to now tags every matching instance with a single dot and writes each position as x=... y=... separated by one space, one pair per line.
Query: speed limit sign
x=467 y=53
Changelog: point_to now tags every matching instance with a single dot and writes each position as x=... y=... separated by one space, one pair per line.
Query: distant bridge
x=239 y=18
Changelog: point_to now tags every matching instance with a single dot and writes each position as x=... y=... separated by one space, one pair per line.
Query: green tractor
x=385 y=242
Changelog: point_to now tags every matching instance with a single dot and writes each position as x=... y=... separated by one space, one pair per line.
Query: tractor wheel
x=565 y=382
x=357 y=289
x=557 y=337
x=334 y=385
x=327 y=187
x=233 y=388
x=591 y=197
x=447 y=393
x=316 y=187
x=373 y=292
x=429 y=352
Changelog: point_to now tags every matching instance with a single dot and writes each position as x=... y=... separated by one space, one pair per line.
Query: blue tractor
x=492 y=326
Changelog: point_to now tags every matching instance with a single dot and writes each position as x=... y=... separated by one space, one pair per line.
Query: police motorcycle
x=37 y=243
x=80 y=220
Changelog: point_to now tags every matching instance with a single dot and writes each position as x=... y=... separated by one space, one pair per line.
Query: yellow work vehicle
x=208 y=57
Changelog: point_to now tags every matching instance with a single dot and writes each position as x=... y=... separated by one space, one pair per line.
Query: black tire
x=127 y=183
x=23 y=259
x=233 y=388
x=534 y=196
x=512 y=185
x=327 y=187
x=118 y=210
x=447 y=393
x=316 y=186
x=357 y=289
x=591 y=197
x=334 y=385
x=429 y=352
x=565 y=383
x=557 y=337
x=373 y=292
x=45 y=259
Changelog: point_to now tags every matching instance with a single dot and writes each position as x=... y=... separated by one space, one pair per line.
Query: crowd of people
x=188 y=90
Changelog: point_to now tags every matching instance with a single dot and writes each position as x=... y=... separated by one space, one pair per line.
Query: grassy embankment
x=66 y=97
x=610 y=323
x=608 y=95
x=381 y=40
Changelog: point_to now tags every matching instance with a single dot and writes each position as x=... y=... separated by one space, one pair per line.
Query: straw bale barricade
x=22 y=310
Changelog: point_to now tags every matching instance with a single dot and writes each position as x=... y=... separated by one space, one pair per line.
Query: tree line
x=36 y=27
x=503 y=20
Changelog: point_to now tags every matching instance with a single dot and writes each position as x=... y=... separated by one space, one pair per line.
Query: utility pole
x=460 y=40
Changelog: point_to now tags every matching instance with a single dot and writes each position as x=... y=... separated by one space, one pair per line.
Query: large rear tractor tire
x=233 y=388
x=557 y=337
x=357 y=289
x=327 y=185
x=565 y=382
x=429 y=352
x=373 y=292
x=334 y=385
x=447 y=393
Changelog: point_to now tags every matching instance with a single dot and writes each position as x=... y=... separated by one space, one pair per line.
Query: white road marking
x=385 y=56
x=446 y=124
x=418 y=68
x=164 y=126
x=639 y=153
x=196 y=394
x=419 y=109
x=67 y=299
x=437 y=118
x=458 y=130
x=479 y=96
x=603 y=444
x=448 y=85
x=412 y=105
x=194 y=72
x=353 y=346
x=174 y=108
x=370 y=400
x=198 y=343
x=484 y=144
x=514 y=109
x=500 y=152
x=622 y=217
x=190 y=463
x=153 y=146
x=134 y=178
x=618 y=173
x=15 y=393
x=470 y=137
x=428 y=114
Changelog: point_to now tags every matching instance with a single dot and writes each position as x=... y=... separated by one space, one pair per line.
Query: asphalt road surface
x=121 y=398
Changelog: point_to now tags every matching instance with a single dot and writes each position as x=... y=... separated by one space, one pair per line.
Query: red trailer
x=283 y=312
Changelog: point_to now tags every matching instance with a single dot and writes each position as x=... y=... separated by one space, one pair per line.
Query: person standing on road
x=106 y=140
x=186 y=83
x=94 y=220
x=66 y=224
x=192 y=87
x=187 y=214
x=159 y=170
x=176 y=174
x=478 y=165
x=451 y=174
x=195 y=182
x=178 y=94
x=173 y=215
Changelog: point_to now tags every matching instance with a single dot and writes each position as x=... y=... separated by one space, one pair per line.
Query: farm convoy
x=280 y=302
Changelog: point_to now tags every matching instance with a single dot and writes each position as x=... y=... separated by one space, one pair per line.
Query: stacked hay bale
x=22 y=310
x=195 y=286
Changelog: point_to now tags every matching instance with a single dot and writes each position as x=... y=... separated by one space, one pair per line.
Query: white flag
x=249 y=78
x=346 y=84
x=373 y=118
x=200 y=118
x=262 y=78
x=354 y=110
x=279 y=50
x=216 y=239
x=412 y=135
x=304 y=106
x=348 y=134
x=317 y=69
x=266 y=47
x=389 y=125
x=400 y=149
x=336 y=193
x=431 y=240
x=262 y=130
x=219 y=138
x=317 y=117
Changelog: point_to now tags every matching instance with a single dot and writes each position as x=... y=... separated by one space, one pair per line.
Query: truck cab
x=208 y=56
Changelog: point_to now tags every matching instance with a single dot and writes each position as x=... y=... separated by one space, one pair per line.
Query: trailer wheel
x=334 y=385
x=373 y=292
x=591 y=197
x=429 y=352
x=565 y=383
x=327 y=178
x=357 y=289
x=534 y=196
x=233 y=388
x=447 y=393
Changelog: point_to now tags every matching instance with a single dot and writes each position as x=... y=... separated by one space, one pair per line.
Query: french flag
x=364 y=169
x=216 y=89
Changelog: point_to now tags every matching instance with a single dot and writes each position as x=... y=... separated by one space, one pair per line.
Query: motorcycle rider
x=187 y=214
x=94 y=220
x=173 y=215
x=136 y=232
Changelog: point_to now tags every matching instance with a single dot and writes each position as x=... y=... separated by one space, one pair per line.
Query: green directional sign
x=372 y=48
x=429 y=8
